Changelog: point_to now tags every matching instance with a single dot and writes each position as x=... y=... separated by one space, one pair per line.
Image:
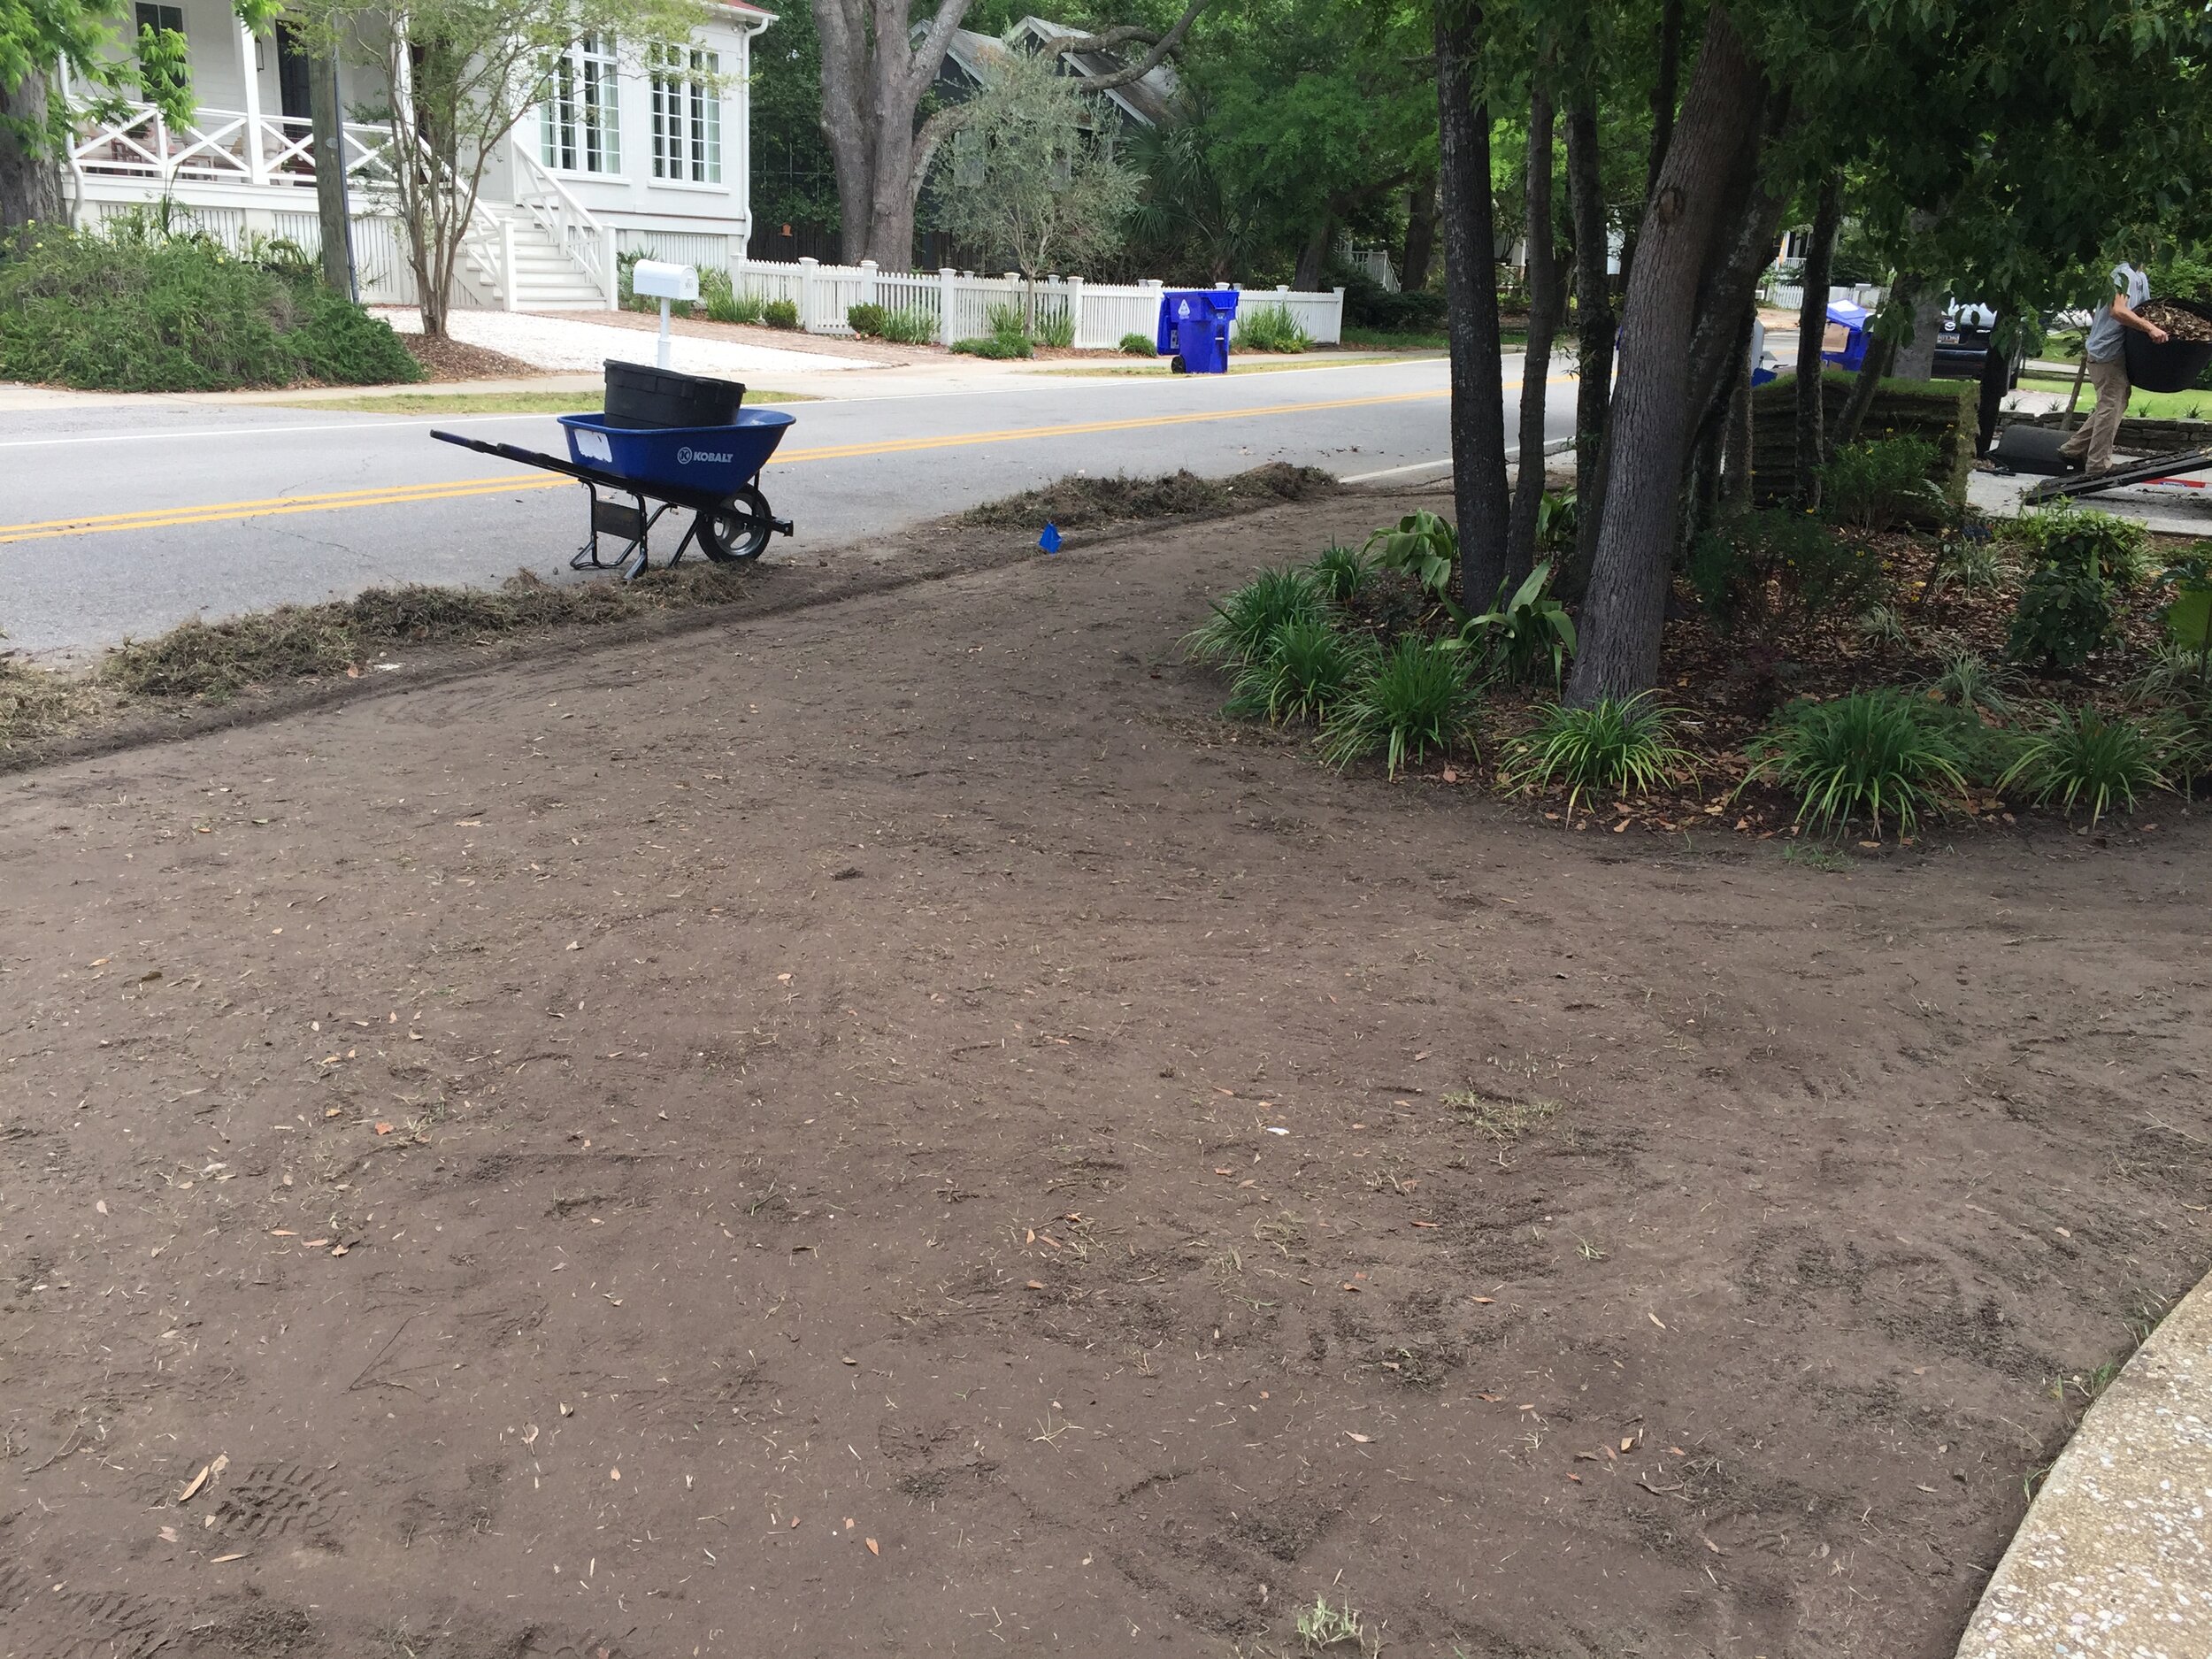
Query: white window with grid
x=686 y=115
x=580 y=124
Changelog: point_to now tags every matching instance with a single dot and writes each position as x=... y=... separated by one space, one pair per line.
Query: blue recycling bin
x=1195 y=328
x=1845 y=342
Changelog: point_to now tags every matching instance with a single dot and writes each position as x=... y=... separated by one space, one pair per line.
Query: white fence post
x=1336 y=335
x=946 y=303
x=806 y=293
x=1075 y=311
x=867 y=282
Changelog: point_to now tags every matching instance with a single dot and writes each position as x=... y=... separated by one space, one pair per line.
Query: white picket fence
x=959 y=307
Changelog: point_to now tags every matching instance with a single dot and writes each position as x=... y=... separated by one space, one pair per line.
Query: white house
x=631 y=152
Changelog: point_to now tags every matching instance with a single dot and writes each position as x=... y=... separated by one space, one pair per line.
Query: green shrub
x=1879 y=485
x=1339 y=573
x=1421 y=544
x=1621 y=746
x=909 y=325
x=994 y=346
x=780 y=314
x=1407 y=700
x=1556 y=514
x=865 y=320
x=1522 y=629
x=1057 y=330
x=1968 y=681
x=1138 y=346
x=722 y=302
x=1762 y=568
x=2066 y=611
x=1270 y=328
x=1243 y=622
x=1303 y=669
x=137 y=309
x=1869 y=755
x=2117 y=549
x=2083 y=757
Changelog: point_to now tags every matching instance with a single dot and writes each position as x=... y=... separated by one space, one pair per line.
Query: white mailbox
x=657 y=280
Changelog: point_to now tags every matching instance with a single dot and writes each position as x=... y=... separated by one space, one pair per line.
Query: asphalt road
x=125 y=518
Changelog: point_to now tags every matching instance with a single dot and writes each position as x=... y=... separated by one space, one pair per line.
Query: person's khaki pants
x=2092 y=446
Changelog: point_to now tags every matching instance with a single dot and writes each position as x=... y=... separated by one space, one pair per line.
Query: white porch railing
x=587 y=242
x=958 y=307
x=217 y=147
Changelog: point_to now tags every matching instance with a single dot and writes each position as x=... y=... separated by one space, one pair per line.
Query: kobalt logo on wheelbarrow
x=685 y=455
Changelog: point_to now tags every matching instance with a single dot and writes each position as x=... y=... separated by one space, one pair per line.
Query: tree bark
x=1692 y=227
x=1593 y=336
x=1735 y=482
x=1916 y=357
x=30 y=176
x=1307 y=277
x=1996 y=382
x=873 y=79
x=1812 y=327
x=1666 y=86
x=1420 y=247
x=1545 y=301
x=1471 y=287
x=1881 y=353
x=328 y=144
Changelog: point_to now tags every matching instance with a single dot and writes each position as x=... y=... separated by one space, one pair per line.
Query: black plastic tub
x=2176 y=366
x=639 y=395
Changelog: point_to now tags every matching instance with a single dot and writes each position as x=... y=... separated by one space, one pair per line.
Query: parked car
x=1962 y=343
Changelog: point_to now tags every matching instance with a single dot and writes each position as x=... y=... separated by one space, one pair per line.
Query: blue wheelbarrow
x=711 y=471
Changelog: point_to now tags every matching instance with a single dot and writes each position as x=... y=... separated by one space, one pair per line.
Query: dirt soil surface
x=887 y=1127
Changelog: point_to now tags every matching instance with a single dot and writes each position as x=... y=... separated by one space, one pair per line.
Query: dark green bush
x=1870 y=755
x=866 y=320
x=1765 y=567
x=780 y=314
x=995 y=346
x=1138 y=346
x=1271 y=328
x=137 y=310
x=2068 y=607
x=1404 y=702
x=2119 y=548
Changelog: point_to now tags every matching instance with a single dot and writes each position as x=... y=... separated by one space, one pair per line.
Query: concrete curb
x=2115 y=1558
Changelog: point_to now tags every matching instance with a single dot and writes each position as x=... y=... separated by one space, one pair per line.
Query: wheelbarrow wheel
x=737 y=531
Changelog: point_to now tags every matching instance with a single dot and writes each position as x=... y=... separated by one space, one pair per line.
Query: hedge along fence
x=1944 y=412
x=1101 y=312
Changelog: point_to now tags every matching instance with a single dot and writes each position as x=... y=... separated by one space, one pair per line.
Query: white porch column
x=507 y=276
x=609 y=268
x=947 y=301
x=256 y=168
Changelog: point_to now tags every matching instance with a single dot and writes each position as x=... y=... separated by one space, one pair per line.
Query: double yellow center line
x=407 y=494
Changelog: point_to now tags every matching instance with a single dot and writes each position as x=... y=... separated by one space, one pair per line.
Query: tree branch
x=1151 y=60
x=929 y=57
x=935 y=131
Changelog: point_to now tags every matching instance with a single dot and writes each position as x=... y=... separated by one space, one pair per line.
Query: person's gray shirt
x=2106 y=334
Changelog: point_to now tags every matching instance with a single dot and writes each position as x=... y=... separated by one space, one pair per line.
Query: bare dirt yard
x=887 y=1127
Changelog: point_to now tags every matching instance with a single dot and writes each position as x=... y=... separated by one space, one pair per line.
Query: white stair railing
x=588 y=244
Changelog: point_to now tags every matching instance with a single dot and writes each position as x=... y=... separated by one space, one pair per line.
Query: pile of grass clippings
x=1078 y=504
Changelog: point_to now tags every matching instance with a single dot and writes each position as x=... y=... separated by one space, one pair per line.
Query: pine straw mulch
x=449 y=360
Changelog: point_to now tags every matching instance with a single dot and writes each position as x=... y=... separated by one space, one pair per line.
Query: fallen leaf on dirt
x=614 y=1474
x=168 y=1534
x=1656 y=1320
x=1429 y=1224
x=849 y=1523
x=1273 y=1130
x=208 y=1472
x=1359 y=1440
x=873 y=1549
x=1486 y=1300
x=315 y=1244
x=1710 y=1545
x=795 y=1522
x=1628 y=1442
x=101 y=1205
x=341 y=1249
x=1349 y=1286
x=384 y=1128
x=1493 y=1399
x=1036 y=1284
x=282 y=1232
x=235 y=1554
x=1032 y=1239
x=1578 y=1478
x=1225 y=1171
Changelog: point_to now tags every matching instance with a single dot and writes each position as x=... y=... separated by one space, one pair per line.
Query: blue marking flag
x=1050 y=539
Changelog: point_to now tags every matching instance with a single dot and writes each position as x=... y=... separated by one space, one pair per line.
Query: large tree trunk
x=329 y=145
x=1916 y=357
x=873 y=78
x=1735 y=484
x=1545 y=301
x=1593 y=336
x=30 y=176
x=1420 y=248
x=1996 y=382
x=1471 y=287
x=1874 y=368
x=1692 y=228
x=1307 y=277
x=1812 y=327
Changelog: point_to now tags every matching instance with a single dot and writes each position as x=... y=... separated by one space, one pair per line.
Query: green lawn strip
x=1436 y=340
x=492 y=402
x=2195 y=404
